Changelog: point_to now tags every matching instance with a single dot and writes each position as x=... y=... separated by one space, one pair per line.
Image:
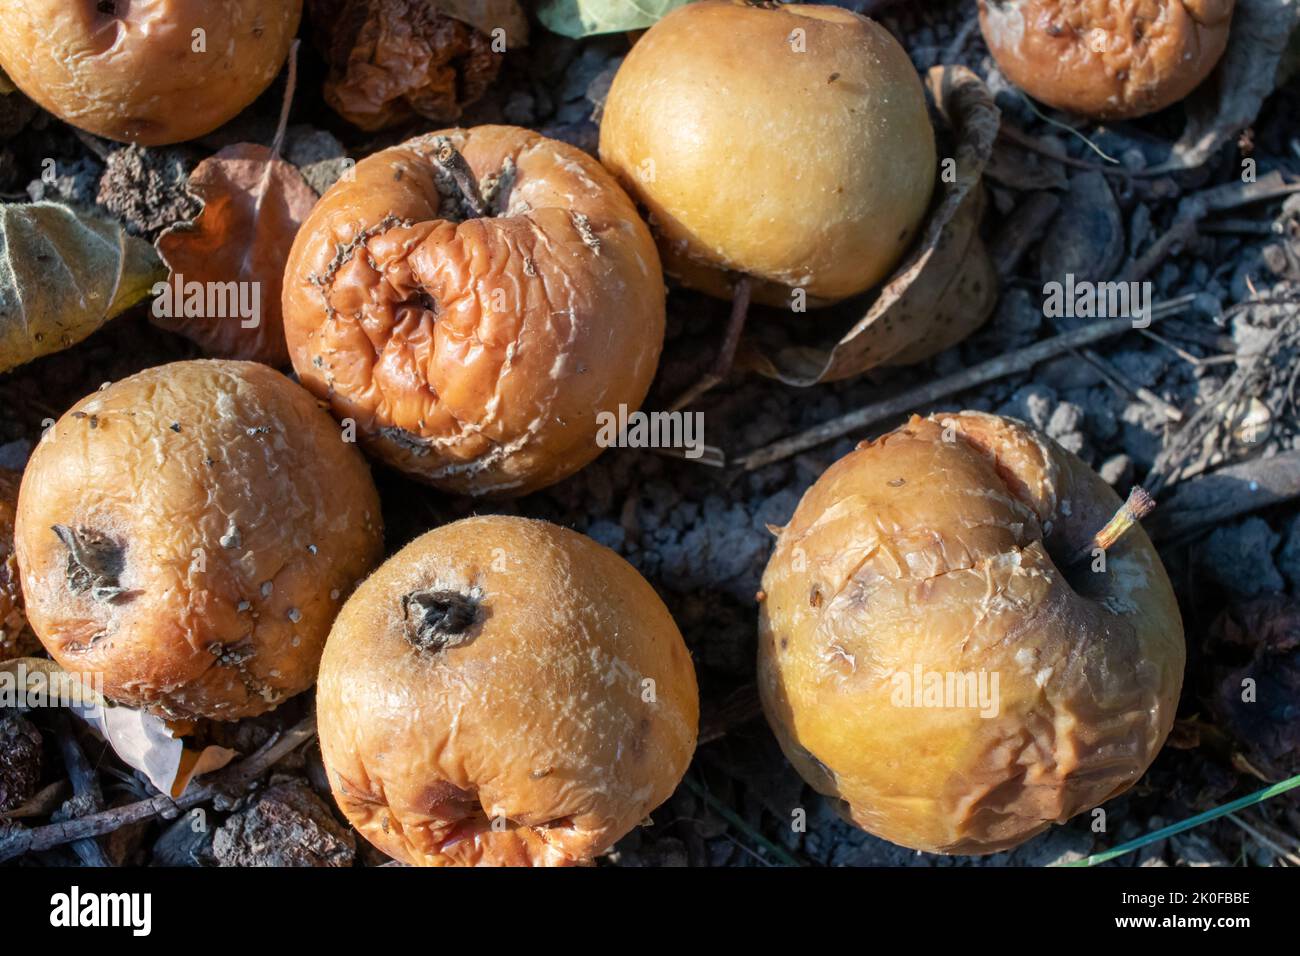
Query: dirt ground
x=700 y=534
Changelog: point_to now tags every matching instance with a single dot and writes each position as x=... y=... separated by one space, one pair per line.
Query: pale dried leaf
x=1230 y=99
x=62 y=276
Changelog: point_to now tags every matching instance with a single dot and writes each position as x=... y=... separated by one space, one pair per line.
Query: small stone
x=20 y=760
x=1239 y=557
x=1117 y=471
x=288 y=825
x=1086 y=239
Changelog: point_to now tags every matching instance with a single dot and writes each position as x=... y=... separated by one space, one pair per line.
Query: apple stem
x=740 y=294
x=1137 y=506
x=450 y=160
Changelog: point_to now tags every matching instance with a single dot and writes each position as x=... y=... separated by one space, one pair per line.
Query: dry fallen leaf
x=62 y=276
x=391 y=60
x=1229 y=100
x=581 y=18
x=945 y=288
x=142 y=740
x=253 y=204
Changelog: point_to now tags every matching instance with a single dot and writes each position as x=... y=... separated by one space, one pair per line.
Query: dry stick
x=84 y=784
x=1196 y=207
x=448 y=157
x=1265 y=841
x=290 y=85
x=1172 y=464
x=1108 y=372
x=232 y=778
x=740 y=294
x=1021 y=360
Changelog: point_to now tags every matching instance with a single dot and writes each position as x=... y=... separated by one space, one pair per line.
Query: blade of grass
x=1259 y=796
x=735 y=820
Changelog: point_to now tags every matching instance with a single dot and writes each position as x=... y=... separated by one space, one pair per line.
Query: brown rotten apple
x=472 y=300
x=1113 y=60
x=962 y=639
x=190 y=533
x=153 y=72
x=503 y=691
x=787 y=143
x=16 y=638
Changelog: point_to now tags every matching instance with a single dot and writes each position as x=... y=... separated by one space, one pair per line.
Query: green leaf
x=581 y=18
x=62 y=276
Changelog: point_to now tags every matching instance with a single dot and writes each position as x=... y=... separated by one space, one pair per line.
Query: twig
x=740 y=294
x=954 y=49
x=1192 y=209
x=1019 y=361
x=290 y=85
x=1265 y=841
x=1108 y=372
x=233 y=778
x=1251 y=377
x=85 y=788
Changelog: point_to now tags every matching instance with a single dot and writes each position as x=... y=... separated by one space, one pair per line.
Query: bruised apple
x=965 y=637
x=16 y=638
x=1106 y=60
x=471 y=301
x=190 y=533
x=504 y=691
x=152 y=72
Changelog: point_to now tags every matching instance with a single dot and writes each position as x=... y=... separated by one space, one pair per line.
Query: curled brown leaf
x=227 y=265
x=942 y=291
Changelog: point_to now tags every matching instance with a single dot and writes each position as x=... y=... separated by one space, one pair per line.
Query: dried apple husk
x=945 y=288
x=391 y=60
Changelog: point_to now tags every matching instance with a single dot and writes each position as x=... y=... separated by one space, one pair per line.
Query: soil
x=700 y=534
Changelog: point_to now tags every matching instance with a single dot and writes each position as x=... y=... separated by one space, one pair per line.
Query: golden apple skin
x=791 y=144
x=562 y=711
x=937 y=548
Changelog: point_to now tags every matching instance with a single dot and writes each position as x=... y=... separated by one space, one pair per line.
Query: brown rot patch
x=95 y=562
x=437 y=620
